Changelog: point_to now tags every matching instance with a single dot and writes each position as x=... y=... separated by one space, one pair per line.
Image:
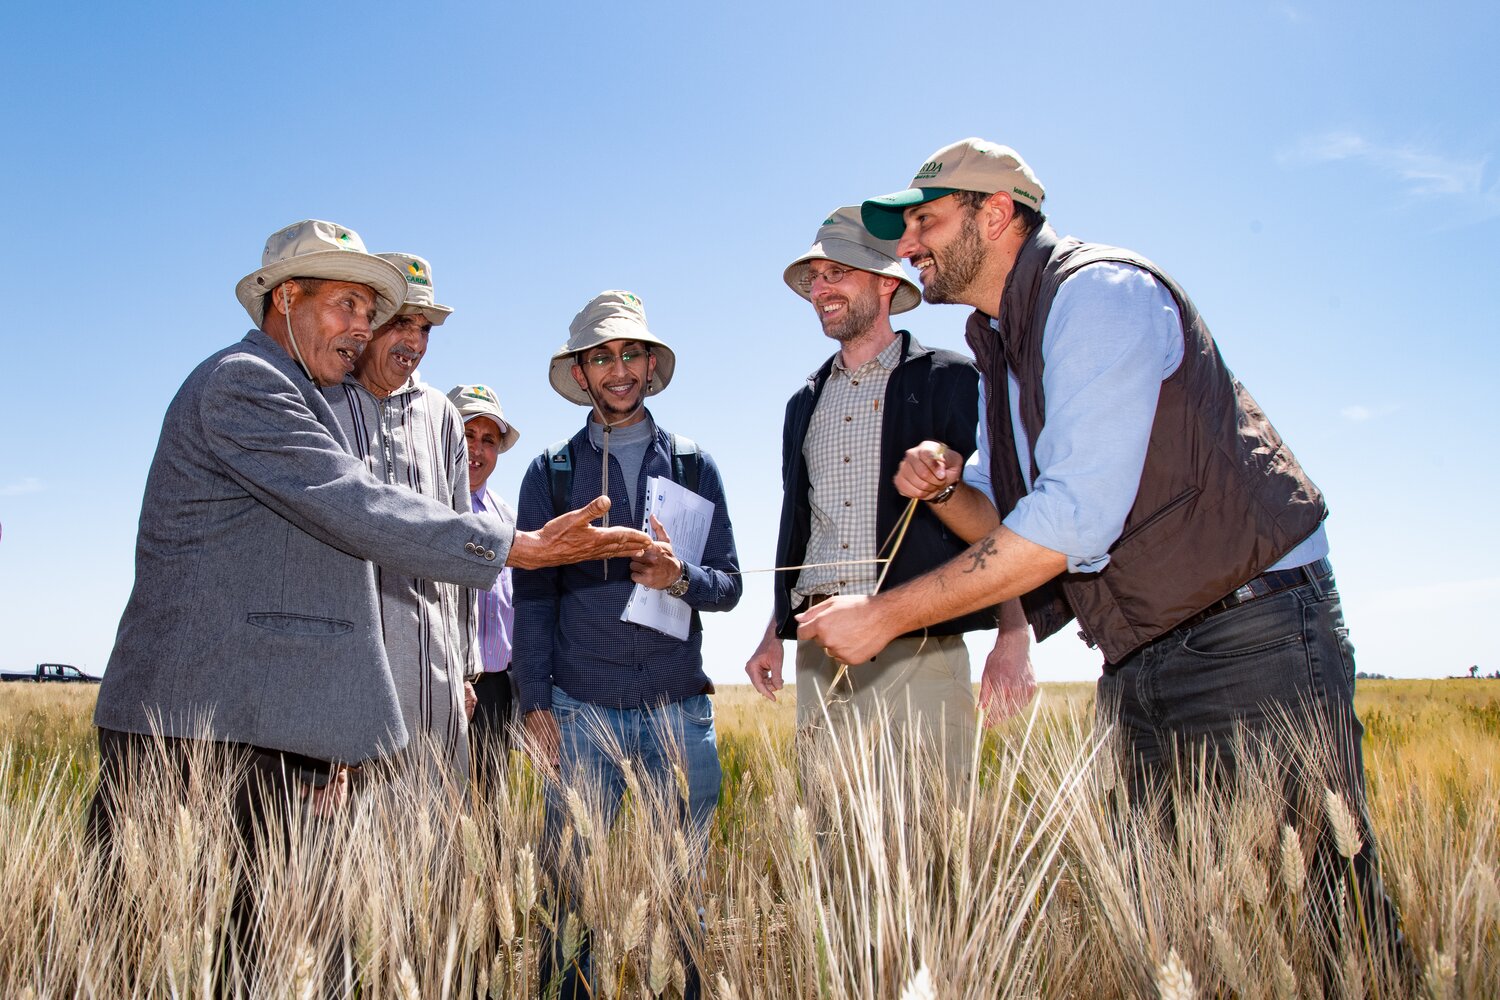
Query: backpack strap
x=560 y=475
x=687 y=463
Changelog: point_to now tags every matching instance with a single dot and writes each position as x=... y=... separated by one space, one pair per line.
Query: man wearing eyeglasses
x=408 y=434
x=846 y=432
x=593 y=689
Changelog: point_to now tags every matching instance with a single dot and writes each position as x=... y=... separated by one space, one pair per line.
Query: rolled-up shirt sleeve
x=977 y=467
x=1112 y=336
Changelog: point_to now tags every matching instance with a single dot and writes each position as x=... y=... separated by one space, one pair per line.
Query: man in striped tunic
x=407 y=433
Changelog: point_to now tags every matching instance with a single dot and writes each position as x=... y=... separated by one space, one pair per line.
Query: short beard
x=962 y=260
x=857 y=320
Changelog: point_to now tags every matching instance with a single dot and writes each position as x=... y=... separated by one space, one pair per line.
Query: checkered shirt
x=842 y=451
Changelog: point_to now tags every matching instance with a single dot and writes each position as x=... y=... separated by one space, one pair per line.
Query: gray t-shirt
x=628 y=447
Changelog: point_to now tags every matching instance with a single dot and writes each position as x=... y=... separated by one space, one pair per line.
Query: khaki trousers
x=922 y=683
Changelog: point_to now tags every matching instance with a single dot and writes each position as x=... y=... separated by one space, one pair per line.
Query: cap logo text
x=929 y=170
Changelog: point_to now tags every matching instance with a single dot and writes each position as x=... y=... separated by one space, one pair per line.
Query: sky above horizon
x=1320 y=178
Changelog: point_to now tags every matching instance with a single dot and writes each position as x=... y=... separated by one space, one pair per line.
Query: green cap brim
x=883 y=216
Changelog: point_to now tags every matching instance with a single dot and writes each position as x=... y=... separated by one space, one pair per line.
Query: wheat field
x=864 y=876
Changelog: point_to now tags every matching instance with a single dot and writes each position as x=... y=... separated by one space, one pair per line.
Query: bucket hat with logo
x=316 y=249
x=419 y=293
x=612 y=315
x=480 y=401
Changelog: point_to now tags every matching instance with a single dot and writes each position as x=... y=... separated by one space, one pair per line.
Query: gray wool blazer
x=254 y=617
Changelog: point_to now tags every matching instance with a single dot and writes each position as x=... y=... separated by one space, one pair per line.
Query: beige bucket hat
x=480 y=401
x=419 y=293
x=844 y=239
x=966 y=165
x=612 y=315
x=317 y=249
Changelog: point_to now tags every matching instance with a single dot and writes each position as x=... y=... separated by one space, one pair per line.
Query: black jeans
x=1278 y=671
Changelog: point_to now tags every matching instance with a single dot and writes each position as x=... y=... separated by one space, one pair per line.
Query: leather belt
x=815 y=599
x=1264 y=585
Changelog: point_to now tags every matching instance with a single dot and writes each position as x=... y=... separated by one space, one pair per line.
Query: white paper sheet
x=686 y=517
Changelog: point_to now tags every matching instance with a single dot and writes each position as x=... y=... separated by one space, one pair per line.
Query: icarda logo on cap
x=416 y=274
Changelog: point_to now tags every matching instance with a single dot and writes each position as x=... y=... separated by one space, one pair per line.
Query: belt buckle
x=1245 y=594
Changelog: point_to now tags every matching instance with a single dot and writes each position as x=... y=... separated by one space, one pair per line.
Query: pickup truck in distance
x=52 y=673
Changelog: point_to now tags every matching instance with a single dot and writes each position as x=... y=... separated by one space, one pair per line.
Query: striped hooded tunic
x=415 y=438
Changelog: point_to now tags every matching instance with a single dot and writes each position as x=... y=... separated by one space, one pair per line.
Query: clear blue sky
x=1321 y=178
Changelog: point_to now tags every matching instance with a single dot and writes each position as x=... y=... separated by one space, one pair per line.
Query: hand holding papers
x=685 y=517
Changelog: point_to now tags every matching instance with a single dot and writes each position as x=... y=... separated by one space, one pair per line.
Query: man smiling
x=845 y=434
x=408 y=434
x=592 y=686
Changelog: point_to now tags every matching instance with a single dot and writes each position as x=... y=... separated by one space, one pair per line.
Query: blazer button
x=470 y=547
x=489 y=554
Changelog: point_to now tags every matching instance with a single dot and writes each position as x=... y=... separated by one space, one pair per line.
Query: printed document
x=685 y=516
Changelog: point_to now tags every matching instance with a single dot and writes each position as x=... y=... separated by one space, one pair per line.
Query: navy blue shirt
x=568 y=627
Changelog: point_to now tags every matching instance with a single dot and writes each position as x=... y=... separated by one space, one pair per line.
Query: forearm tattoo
x=978 y=555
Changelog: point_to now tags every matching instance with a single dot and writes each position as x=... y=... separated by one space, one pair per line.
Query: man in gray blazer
x=254 y=620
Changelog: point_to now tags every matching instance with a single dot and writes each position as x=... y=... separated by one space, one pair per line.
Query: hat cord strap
x=293 y=338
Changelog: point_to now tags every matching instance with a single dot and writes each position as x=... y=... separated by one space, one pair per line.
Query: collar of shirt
x=888 y=359
x=412 y=385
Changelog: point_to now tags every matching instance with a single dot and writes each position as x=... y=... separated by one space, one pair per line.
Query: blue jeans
x=1270 y=670
x=594 y=740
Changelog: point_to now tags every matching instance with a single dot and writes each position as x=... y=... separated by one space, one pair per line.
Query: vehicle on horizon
x=56 y=673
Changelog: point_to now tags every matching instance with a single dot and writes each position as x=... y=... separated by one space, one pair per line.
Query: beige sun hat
x=844 y=239
x=966 y=165
x=480 y=401
x=612 y=315
x=315 y=249
x=419 y=293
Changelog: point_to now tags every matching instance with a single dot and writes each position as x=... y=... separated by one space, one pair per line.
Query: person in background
x=408 y=435
x=487 y=436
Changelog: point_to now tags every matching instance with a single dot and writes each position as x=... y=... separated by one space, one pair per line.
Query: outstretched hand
x=570 y=538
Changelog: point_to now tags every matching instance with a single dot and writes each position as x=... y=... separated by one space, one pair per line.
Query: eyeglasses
x=831 y=275
x=604 y=359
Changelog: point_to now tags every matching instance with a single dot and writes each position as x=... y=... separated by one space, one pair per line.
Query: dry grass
x=876 y=881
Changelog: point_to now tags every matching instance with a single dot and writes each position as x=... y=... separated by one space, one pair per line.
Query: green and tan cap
x=611 y=315
x=966 y=165
x=843 y=239
x=313 y=248
x=419 y=293
x=476 y=400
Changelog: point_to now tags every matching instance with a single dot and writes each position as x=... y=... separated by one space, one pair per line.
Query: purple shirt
x=497 y=612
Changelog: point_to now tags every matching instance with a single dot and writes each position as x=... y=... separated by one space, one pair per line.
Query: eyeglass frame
x=805 y=281
x=583 y=359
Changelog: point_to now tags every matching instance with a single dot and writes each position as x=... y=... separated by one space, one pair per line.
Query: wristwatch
x=680 y=587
